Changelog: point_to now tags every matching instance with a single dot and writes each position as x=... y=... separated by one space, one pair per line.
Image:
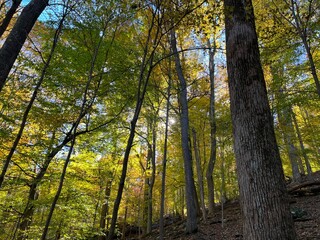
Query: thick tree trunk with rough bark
x=15 y=40
x=191 y=225
x=263 y=196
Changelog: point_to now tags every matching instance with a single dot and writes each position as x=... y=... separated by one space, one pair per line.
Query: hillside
x=305 y=209
x=307 y=225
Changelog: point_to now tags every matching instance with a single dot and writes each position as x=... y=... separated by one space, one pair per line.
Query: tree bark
x=213 y=129
x=191 y=225
x=199 y=174
x=164 y=162
x=85 y=106
x=152 y=178
x=27 y=215
x=223 y=194
x=70 y=137
x=105 y=207
x=33 y=98
x=303 y=150
x=314 y=143
x=147 y=185
x=145 y=72
x=283 y=109
x=288 y=132
x=302 y=31
x=14 y=42
x=5 y=23
x=263 y=196
x=62 y=177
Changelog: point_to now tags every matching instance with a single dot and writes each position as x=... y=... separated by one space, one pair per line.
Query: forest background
x=91 y=111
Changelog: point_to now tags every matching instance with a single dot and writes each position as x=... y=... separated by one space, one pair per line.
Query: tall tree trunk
x=263 y=196
x=302 y=31
x=284 y=110
x=145 y=72
x=191 y=225
x=29 y=209
x=150 y=172
x=213 y=129
x=164 y=162
x=152 y=177
x=27 y=215
x=124 y=170
x=9 y=15
x=145 y=201
x=14 y=42
x=303 y=150
x=62 y=177
x=33 y=98
x=199 y=174
x=182 y=200
x=124 y=223
x=85 y=106
x=314 y=143
x=288 y=135
x=105 y=207
x=223 y=178
x=147 y=181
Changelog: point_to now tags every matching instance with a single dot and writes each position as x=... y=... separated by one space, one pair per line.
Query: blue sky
x=42 y=16
x=24 y=2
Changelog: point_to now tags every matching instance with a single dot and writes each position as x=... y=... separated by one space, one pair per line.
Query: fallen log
x=299 y=186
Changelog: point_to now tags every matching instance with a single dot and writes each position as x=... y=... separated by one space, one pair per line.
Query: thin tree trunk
x=124 y=223
x=199 y=174
x=182 y=201
x=152 y=178
x=14 y=42
x=263 y=196
x=84 y=108
x=29 y=209
x=223 y=197
x=191 y=225
x=58 y=232
x=27 y=215
x=164 y=162
x=147 y=180
x=302 y=31
x=314 y=143
x=105 y=207
x=287 y=132
x=223 y=178
x=213 y=129
x=303 y=150
x=33 y=98
x=5 y=23
x=142 y=88
x=62 y=177
x=284 y=116
x=86 y=105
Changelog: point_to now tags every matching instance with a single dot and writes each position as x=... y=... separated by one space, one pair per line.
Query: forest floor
x=305 y=209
